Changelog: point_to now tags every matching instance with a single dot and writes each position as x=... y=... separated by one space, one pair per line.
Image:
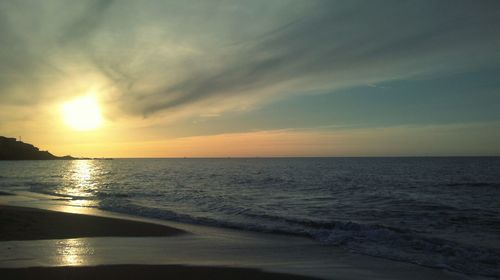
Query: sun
x=82 y=113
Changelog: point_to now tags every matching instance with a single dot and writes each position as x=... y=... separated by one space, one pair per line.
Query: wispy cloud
x=343 y=44
x=189 y=56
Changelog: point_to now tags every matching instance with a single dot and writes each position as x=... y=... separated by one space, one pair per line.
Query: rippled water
x=439 y=212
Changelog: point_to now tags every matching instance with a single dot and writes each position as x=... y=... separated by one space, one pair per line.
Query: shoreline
x=194 y=247
x=30 y=224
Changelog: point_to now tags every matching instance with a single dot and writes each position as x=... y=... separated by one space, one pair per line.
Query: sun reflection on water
x=73 y=252
x=81 y=182
x=82 y=173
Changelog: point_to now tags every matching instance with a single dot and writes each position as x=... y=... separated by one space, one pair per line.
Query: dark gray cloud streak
x=332 y=44
x=346 y=44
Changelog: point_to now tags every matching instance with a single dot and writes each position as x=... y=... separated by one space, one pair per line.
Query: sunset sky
x=251 y=78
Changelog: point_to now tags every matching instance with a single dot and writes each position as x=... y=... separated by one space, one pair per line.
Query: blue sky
x=459 y=98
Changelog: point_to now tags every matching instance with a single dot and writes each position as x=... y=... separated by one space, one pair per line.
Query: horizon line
x=254 y=157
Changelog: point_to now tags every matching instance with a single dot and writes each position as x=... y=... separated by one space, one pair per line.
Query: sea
x=441 y=212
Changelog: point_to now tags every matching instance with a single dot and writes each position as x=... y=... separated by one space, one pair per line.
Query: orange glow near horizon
x=279 y=143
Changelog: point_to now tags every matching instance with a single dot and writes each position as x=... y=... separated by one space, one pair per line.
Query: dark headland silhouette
x=11 y=149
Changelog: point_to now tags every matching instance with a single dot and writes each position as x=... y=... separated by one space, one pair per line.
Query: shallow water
x=438 y=212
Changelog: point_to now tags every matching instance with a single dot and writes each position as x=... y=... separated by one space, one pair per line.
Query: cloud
x=200 y=58
x=86 y=22
x=339 y=45
x=34 y=45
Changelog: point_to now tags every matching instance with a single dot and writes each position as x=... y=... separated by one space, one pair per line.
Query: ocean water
x=437 y=212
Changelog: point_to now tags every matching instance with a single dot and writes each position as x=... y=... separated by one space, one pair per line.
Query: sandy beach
x=43 y=237
x=23 y=223
x=143 y=272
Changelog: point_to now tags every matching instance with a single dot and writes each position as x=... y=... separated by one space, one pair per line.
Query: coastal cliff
x=11 y=149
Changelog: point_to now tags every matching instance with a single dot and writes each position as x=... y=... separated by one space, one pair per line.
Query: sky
x=253 y=78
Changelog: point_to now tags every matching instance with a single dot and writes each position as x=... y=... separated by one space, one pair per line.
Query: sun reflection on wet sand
x=73 y=252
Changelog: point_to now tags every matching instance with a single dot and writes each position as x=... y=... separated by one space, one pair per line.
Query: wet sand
x=20 y=223
x=124 y=272
x=41 y=237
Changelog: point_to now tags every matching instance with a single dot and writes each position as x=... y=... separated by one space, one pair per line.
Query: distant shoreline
x=12 y=149
x=58 y=158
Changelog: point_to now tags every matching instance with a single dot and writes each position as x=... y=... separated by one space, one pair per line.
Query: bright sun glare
x=82 y=113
